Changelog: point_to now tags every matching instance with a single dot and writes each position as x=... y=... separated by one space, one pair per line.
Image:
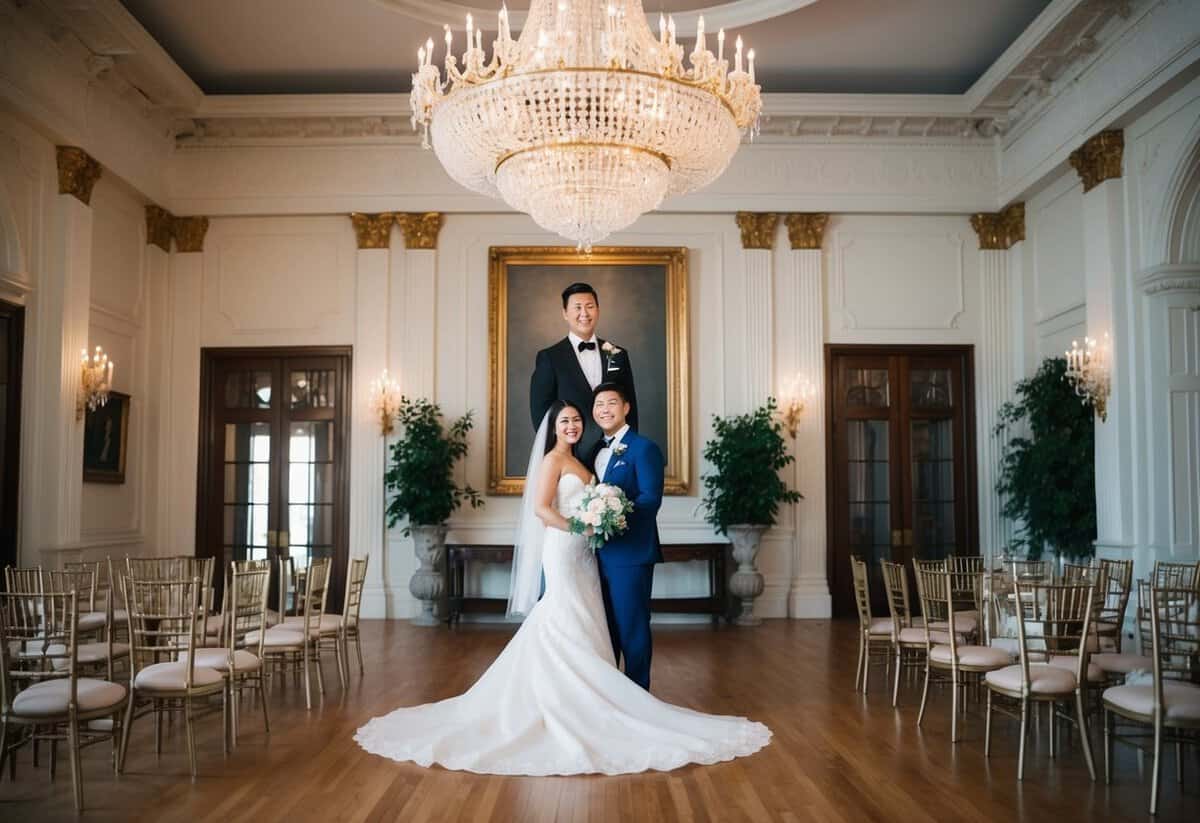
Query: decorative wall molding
x=1171 y=277
x=952 y=284
x=758 y=229
x=1099 y=159
x=806 y=231
x=420 y=230
x=373 y=231
x=189 y=233
x=77 y=173
x=1000 y=230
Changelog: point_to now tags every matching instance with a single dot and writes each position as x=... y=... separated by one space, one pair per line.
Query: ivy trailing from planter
x=421 y=476
x=1048 y=476
x=746 y=453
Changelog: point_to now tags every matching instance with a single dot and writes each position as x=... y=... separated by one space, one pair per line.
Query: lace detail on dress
x=553 y=703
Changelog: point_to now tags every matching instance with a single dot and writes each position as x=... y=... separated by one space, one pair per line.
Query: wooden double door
x=901 y=460
x=12 y=319
x=274 y=457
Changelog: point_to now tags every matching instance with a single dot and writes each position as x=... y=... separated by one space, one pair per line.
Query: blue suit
x=627 y=562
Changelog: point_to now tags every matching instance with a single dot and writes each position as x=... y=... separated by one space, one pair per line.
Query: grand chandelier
x=587 y=120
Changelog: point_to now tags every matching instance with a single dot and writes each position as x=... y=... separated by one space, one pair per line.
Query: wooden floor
x=835 y=754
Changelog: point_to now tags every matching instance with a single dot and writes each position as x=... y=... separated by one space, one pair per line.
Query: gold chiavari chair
x=100 y=653
x=298 y=647
x=87 y=580
x=1110 y=622
x=356 y=580
x=950 y=662
x=965 y=563
x=1054 y=621
x=41 y=691
x=166 y=629
x=1116 y=665
x=1031 y=571
x=874 y=633
x=180 y=569
x=1176 y=575
x=241 y=663
x=23 y=581
x=908 y=639
x=1171 y=704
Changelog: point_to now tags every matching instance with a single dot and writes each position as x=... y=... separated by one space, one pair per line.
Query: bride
x=554 y=702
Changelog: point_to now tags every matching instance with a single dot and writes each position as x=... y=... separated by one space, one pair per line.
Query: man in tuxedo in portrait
x=572 y=368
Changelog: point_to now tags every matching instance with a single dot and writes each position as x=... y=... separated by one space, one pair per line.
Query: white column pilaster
x=802 y=310
x=758 y=370
x=158 y=400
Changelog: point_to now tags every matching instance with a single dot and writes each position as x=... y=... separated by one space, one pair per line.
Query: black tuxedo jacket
x=557 y=375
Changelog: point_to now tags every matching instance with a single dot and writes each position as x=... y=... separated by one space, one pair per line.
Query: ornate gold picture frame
x=643 y=295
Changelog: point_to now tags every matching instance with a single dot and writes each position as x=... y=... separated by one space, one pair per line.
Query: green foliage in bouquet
x=746 y=453
x=420 y=479
x=1047 y=474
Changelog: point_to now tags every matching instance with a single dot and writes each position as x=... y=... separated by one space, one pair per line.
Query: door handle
x=908 y=537
x=897 y=538
x=272 y=538
x=283 y=540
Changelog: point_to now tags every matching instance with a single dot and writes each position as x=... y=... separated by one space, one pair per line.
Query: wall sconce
x=795 y=399
x=1089 y=374
x=385 y=401
x=95 y=381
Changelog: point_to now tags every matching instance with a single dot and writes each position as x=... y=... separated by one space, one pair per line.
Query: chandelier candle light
x=587 y=120
x=1088 y=373
x=385 y=401
x=95 y=381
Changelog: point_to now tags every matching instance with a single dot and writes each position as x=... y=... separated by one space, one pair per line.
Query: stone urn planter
x=747 y=582
x=428 y=583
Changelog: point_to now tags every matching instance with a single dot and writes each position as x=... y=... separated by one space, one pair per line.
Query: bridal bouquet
x=602 y=508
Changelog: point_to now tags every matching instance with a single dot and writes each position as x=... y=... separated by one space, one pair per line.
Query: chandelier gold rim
x=576 y=144
x=505 y=77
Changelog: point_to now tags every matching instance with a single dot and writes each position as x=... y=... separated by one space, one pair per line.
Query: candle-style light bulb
x=479 y=39
x=737 y=55
x=671 y=29
x=504 y=33
x=420 y=56
x=662 y=28
x=750 y=58
x=429 y=51
x=470 y=29
x=449 y=43
x=720 y=44
x=700 y=33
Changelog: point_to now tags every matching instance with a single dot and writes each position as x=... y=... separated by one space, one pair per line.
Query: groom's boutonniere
x=612 y=351
x=619 y=449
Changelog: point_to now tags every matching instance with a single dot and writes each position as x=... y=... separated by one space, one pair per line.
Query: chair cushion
x=171 y=677
x=964 y=623
x=91 y=621
x=50 y=697
x=1070 y=662
x=914 y=635
x=1181 y=700
x=881 y=627
x=214 y=625
x=1122 y=663
x=1043 y=679
x=332 y=622
x=976 y=656
x=218 y=659
x=276 y=637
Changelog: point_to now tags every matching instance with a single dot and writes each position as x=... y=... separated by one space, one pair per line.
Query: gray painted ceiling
x=348 y=46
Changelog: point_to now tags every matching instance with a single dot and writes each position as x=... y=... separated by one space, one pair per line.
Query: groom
x=626 y=459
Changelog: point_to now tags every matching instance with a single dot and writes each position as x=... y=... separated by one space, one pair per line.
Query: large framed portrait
x=643 y=309
x=105 y=440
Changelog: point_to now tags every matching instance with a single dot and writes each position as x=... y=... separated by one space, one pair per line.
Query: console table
x=716 y=555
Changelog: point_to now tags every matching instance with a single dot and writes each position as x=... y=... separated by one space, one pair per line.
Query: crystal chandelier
x=1088 y=373
x=95 y=381
x=587 y=120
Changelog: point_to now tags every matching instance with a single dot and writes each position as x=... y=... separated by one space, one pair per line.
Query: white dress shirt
x=589 y=360
x=605 y=454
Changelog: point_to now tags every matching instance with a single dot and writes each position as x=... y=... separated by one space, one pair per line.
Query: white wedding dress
x=553 y=703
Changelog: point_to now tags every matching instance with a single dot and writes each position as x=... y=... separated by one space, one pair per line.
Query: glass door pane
x=933 y=493
x=247 y=533
x=310 y=488
x=868 y=493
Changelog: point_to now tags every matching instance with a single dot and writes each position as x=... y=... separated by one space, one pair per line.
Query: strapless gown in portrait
x=553 y=702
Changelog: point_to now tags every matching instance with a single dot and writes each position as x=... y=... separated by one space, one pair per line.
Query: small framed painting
x=105 y=440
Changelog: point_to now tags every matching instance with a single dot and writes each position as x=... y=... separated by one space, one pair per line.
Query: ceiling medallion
x=586 y=121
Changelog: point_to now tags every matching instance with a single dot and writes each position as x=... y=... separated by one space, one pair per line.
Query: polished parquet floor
x=835 y=756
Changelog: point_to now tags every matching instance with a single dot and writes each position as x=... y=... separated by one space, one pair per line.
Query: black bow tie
x=586 y=346
x=608 y=441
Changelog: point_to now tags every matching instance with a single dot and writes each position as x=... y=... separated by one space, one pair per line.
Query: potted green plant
x=423 y=492
x=1048 y=472
x=743 y=493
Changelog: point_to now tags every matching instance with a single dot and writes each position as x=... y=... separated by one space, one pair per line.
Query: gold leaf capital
x=1000 y=230
x=806 y=231
x=78 y=172
x=420 y=230
x=758 y=229
x=373 y=231
x=1099 y=159
x=159 y=222
x=189 y=233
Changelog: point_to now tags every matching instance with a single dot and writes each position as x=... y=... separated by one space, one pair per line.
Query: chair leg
x=954 y=706
x=1179 y=761
x=1053 y=728
x=1021 y=748
x=316 y=655
x=262 y=699
x=191 y=735
x=858 y=672
x=76 y=772
x=3 y=745
x=1154 y=776
x=226 y=710
x=126 y=724
x=337 y=653
x=158 y=717
x=307 y=686
x=1084 y=737
x=53 y=757
x=987 y=733
x=924 y=696
x=896 y=683
x=1108 y=721
x=358 y=647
